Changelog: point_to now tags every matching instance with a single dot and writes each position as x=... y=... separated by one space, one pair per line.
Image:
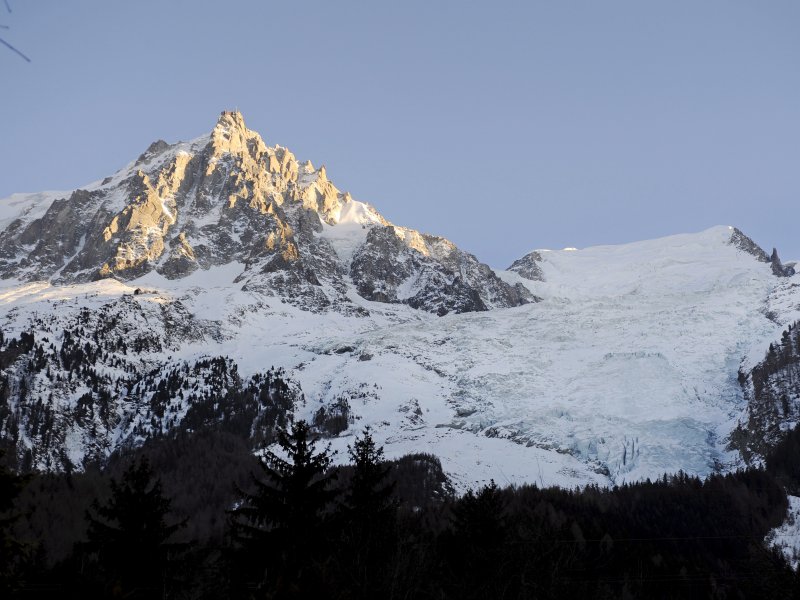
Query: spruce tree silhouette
x=131 y=536
x=370 y=514
x=369 y=497
x=284 y=523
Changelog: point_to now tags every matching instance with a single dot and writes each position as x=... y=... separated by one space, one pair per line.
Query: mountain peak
x=231 y=119
x=226 y=198
x=231 y=136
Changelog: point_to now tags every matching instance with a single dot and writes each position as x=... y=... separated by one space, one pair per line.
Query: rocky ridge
x=229 y=198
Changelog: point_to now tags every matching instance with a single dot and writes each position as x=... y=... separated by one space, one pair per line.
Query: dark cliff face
x=228 y=198
x=778 y=268
x=428 y=273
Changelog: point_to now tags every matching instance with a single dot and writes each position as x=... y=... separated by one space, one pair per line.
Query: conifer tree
x=131 y=536
x=284 y=521
x=369 y=497
x=369 y=520
x=294 y=494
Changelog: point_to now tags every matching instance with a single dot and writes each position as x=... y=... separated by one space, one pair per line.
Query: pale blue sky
x=504 y=126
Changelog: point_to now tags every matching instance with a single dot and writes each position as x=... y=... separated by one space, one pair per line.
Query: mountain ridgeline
x=228 y=198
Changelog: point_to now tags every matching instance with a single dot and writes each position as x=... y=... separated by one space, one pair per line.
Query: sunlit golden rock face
x=226 y=198
x=138 y=231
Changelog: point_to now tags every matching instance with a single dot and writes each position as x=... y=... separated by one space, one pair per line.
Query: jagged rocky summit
x=227 y=198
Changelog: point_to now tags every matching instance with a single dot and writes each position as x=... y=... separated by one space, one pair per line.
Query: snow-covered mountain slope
x=625 y=366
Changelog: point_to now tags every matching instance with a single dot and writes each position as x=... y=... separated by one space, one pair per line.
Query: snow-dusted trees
x=770 y=390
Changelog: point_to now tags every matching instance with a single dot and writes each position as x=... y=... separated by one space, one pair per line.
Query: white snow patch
x=353 y=221
x=214 y=278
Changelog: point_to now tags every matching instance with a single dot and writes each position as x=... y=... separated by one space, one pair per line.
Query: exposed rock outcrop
x=528 y=266
x=778 y=268
x=745 y=244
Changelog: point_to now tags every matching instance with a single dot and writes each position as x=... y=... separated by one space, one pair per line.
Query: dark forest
x=198 y=516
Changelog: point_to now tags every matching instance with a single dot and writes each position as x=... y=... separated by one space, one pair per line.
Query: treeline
x=770 y=390
x=199 y=517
